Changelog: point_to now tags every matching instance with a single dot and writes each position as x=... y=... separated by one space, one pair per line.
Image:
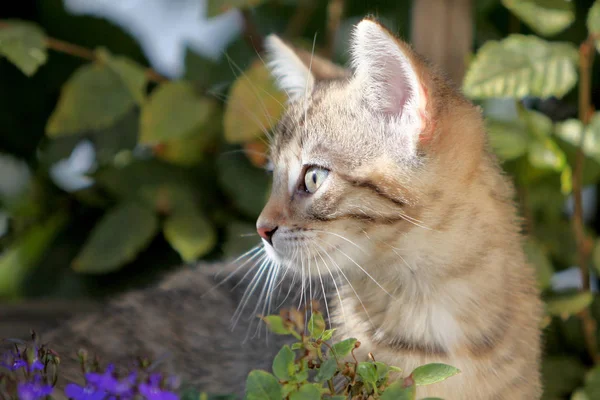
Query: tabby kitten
x=385 y=191
x=383 y=181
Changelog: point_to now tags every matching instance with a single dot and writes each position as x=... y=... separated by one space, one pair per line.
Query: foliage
x=30 y=371
x=315 y=368
x=177 y=167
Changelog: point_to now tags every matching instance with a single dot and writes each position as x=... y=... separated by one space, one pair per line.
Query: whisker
x=339 y=269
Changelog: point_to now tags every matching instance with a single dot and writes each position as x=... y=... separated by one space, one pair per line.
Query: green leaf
x=254 y=105
x=521 y=66
x=571 y=130
x=216 y=7
x=95 y=97
x=190 y=233
x=283 y=364
x=508 y=139
x=538 y=256
x=593 y=22
x=132 y=75
x=544 y=17
x=592 y=383
x=245 y=184
x=569 y=304
x=261 y=385
x=368 y=373
x=316 y=325
x=175 y=111
x=307 y=392
x=546 y=154
x=382 y=370
x=326 y=370
x=343 y=348
x=17 y=260
x=327 y=334
x=275 y=325
x=433 y=373
x=24 y=44
x=396 y=391
x=119 y=236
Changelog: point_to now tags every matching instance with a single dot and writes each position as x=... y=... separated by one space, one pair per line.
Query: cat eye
x=314 y=178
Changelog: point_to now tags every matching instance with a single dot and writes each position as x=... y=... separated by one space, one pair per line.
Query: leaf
x=327 y=334
x=95 y=97
x=254 y=105
x=343 y=348
x=245 y=184
x=307 y=392
x=175 y=111
x=191 y=149
x=569 y=304
x=216 y=7
x=538 y=256
x=261 y=385
x=368 y=373
x=561 y=375
x=544 y=17
x=132 y=75
x=521 y=66
x=571 y=130
x=190 y=233
x=396 y=391
x=24 y=44
x=593 y=22
x=275 y=325
x=326 y=370
x=283 y=364
x=382 y=370
x=433 y=373
x=546 y=154
x=316 y=325
x=119 y=236
x=17 y=260
x=508 y=139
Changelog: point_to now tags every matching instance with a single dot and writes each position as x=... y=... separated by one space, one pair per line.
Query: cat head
x=361 y=155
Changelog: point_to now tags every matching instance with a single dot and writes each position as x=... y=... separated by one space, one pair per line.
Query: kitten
x=384 y=181
x=385 y=191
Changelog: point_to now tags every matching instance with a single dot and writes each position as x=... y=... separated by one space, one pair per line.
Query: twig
x=251 y=33
x=335 y=10
x=584 y=244
x=300 y=18
x=85 y=53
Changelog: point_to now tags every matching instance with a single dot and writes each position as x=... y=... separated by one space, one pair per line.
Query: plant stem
x=85 y=53
x=251 y=33
x=335 y=10
x=584 y=244
x=300 y=18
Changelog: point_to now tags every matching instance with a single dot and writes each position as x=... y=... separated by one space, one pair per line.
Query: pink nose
x=266 y=232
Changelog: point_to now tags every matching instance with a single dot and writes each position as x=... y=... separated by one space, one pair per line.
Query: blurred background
x=133 y=140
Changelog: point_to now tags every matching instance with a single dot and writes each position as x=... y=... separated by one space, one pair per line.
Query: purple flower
x=152 y=390
x=76 y=392
x=33 y=390
x=105 y=381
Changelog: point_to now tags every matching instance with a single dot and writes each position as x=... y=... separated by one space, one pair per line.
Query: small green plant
x=314 y=367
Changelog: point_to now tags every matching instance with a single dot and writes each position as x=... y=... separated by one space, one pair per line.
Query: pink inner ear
x=398 y=88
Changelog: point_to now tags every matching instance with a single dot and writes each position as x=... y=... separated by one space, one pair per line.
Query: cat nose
x=266 y=232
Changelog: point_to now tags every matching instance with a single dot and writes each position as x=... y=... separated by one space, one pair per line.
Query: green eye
x=314 y=178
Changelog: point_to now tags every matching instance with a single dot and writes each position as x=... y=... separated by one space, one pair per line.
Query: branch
x=335 y=10
x=85 y=53
x=251 y=33
x=584 y=243
x=300 y=18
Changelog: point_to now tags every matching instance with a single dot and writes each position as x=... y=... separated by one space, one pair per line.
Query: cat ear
x=291 y=74
x=386 y=75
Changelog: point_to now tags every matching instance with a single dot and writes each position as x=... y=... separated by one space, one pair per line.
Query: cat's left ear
x=297 y=70
x=388 y=75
